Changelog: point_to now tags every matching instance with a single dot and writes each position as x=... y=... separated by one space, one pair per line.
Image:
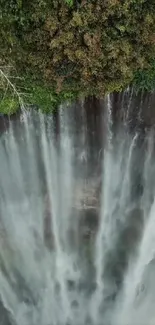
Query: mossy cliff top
x=87 y=47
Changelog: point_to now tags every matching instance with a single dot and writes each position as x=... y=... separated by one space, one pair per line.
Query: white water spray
x=50 y=274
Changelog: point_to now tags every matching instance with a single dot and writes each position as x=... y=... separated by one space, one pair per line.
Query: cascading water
x=56 y=268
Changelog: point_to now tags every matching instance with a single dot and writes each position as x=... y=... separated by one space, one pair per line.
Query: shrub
x=9 y=105
x=145 y=79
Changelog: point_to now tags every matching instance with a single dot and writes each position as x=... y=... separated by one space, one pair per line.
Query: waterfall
x=72 y=253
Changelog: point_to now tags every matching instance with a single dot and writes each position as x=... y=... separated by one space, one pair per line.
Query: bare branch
x=11 y=85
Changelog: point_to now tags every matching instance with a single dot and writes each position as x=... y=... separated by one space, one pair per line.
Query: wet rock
x=5 y=121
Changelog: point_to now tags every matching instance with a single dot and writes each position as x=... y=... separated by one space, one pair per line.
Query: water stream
x=77 y=217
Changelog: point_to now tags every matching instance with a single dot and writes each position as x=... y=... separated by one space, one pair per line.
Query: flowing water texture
x=72 y=253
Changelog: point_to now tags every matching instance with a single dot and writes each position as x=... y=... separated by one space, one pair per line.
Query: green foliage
x=47 y=99
x=34 y=93
x=9 y=105
x=78 y=47
x=145 y=79
x=69 y=2
x=10 y=96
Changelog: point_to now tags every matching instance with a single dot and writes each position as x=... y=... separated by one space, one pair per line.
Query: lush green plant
x=47 y=99
x=9 y=105
x=34 y=93
x=145 y=79
x=10 y=96
x=69 y=2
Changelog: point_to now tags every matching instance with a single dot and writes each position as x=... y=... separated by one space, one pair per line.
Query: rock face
x=5 y=121
x=137 y=110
